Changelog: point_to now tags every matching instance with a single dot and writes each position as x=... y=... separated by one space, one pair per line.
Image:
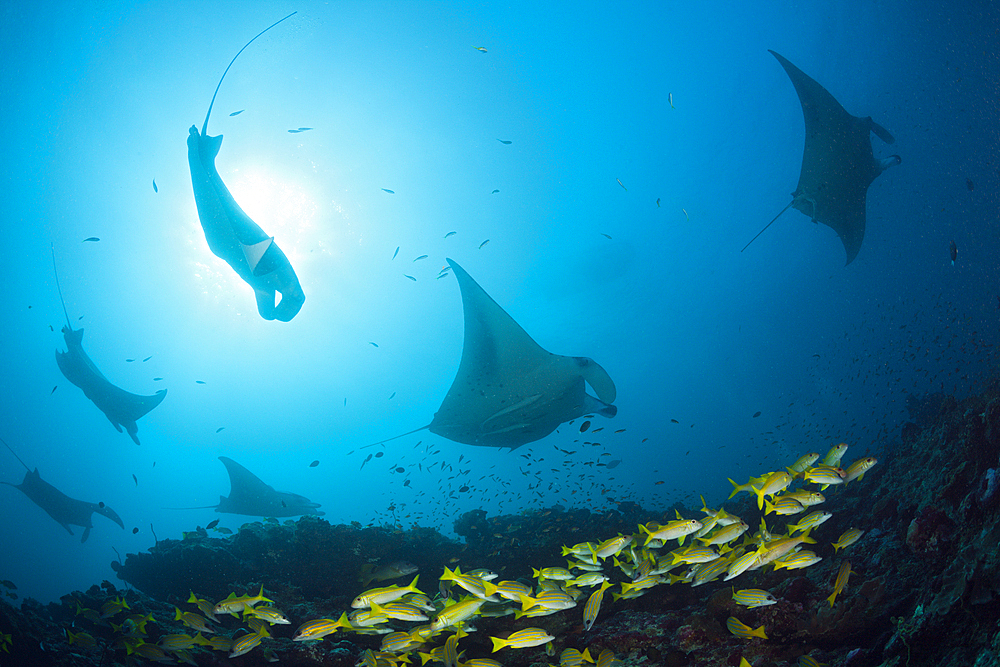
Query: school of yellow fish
x=721 y=545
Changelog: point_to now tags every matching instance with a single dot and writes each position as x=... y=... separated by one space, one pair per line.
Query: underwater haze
x=636 y=148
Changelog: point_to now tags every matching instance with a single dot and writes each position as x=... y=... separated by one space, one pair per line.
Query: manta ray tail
x=204 y=127
x=52 y=246
x=15 y=456
x=396 y=437
x=767 y=225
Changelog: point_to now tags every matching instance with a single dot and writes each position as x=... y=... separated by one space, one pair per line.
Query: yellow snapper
x=753 y=597
x=522 y=639
x=593 y=606
x=383 y=595
x=858 y=469
x=744 y=631
x=838 y=585
x=321 y=627
x=847 y=539
x=833 y=456
x=233 y=605
x=457 y=612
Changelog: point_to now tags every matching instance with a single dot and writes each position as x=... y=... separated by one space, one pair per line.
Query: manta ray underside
x=250 y=496
x=508 y=390
x=65 y=510
x=121 y=408
x=231 y=234
x=837 y=162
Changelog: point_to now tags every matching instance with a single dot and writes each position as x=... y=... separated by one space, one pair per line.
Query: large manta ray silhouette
x=509 y=391
x=231 y=234
x=119 y=406
x=837 y=163
x=249 y=496
x=65 y=510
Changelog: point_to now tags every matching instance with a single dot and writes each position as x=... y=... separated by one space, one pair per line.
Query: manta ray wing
x=121 y=408
x=837 y=161
x=508 y=390
x=249 y=496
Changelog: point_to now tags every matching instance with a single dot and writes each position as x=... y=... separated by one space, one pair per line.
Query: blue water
x=97 y=99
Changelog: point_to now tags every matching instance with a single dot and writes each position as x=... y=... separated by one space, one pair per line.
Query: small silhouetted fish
x=504 y=142
x=345 y=401
x=136 y=479
x=395 y=253
x=92 y=238
x=406 y=483
x=483 y=243
x=223 y=530
x=148 y=358
x=157 y=379
x=621 y=184
x=219 y=430
x=463 y=489
x=400 y=469
x=450 y=234
x=954 y=253
x=393 y=396
x=373 y=344
x=130 y=360
x=757 y=414
x=606 y=235
x=674 y=421
x=79 y=318
x=294 y=131
x=657 y=202
x=53 y=390
x=969 y=184
x=199 y=382
x=410 y=277
x=367 y=459
x=379 y=455
x=237 y=113
x=392 y=192
x=212 y=524
x=155 y=189
x=304 y=129
x=135 y=531
x=584 y=426
x=481 y=49
x=614 y=463
x=314 y=464
x=421 y=257
x=494 y=192
x=101 y=504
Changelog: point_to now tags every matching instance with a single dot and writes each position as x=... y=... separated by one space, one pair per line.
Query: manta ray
x=231 y=234
x=837 y=162
x=509 y=391
x=249 y=496
x=119 y=406
x=65 y=510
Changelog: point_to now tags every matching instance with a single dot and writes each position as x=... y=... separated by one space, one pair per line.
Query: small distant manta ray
x=65 y=510
x=837 y=163
x=231 y=234
x=119 y=406
x=249 y=496
x=509 y=391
